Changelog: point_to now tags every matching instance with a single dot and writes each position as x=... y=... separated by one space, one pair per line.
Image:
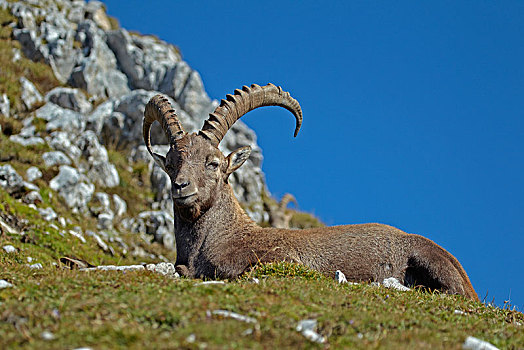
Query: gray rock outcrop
x=33 y=173
x=73 y=187
x=10 y=180
x=97 y=165
x=109 y=75
x=30 y=95
x=73 y=99
x=55 y=158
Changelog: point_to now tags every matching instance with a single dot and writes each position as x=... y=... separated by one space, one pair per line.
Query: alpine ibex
x=279 y=216
x=216 y=238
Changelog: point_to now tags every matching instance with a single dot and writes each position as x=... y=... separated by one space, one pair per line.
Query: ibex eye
x=212 y=165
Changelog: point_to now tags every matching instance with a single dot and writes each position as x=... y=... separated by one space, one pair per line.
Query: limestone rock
x=105 y=221
x=33 y=173
x=175 y=80
x=27 y=141
x=48 y=214
x=144 y=59
x=97 y=118
x=4 y=105
x=32 y=45
x=61 y=141
x=10 y=180
x=308 y=330
x=161 y=186
x=95 y=11
x=159 y=224
x=163 y=268
x=120 y=205
x=73 y=99
x=63 y=119
x=5 y=284
x=9 y=249
x=32 y=197
x=98 y=167
x=55 y=158
x=30 y=95
x=73 y=187
x=97 y=71
x=193 y=97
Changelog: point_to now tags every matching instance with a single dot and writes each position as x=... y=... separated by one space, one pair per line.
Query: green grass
x=141 y=309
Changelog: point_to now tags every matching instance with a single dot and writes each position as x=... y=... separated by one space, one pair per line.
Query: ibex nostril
x=182 y=185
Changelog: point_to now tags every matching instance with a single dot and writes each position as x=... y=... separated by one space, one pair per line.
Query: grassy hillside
x=141 y=309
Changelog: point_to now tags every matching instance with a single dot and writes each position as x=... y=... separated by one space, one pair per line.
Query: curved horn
x=285 y=201
x=158 y=108
x=243 y=101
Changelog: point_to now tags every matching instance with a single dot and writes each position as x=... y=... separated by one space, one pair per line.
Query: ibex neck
x=224 y=214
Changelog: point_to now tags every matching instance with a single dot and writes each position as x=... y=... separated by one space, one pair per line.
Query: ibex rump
x=215 y=238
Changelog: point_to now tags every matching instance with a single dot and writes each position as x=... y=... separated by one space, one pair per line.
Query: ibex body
x=279 y=217
x=215 y=238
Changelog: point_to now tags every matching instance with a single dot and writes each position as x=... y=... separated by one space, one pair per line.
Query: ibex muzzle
x=215 y=237
x=183 y=187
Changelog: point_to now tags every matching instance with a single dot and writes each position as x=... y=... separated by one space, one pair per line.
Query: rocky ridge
x=108 y=75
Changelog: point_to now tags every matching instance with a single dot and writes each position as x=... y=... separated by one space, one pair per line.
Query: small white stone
x=5 y=284
x=36 y=266
x=191 y=338
x=459 y=312
x=163 y=268
x=209 y=282
x=477 y=344
x=392 y=282
x=115 y=268
x=234 y=315
x=29 y=259
x=9 y=249
x=340 y=277
x=248 y=331
x=46 y=335
x=307 y=328
x=77 y=235
x=33 y=173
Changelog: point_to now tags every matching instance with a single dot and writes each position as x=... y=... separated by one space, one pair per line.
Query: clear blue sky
x=413 y=112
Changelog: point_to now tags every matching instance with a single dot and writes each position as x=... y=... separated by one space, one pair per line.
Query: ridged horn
x=159 y=109
x=285 y=201
x=243 y=101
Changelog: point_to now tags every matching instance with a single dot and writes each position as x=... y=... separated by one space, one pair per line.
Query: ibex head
x=197 y=168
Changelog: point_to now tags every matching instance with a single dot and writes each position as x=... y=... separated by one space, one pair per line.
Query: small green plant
x=283 y=269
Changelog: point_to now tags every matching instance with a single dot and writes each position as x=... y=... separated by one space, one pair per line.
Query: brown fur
x=216 y=239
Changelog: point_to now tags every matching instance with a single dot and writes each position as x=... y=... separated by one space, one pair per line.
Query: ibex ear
x=160 y=161
x=236 y=158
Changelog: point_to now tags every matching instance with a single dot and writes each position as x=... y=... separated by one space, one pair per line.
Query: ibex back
x=215 y=238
